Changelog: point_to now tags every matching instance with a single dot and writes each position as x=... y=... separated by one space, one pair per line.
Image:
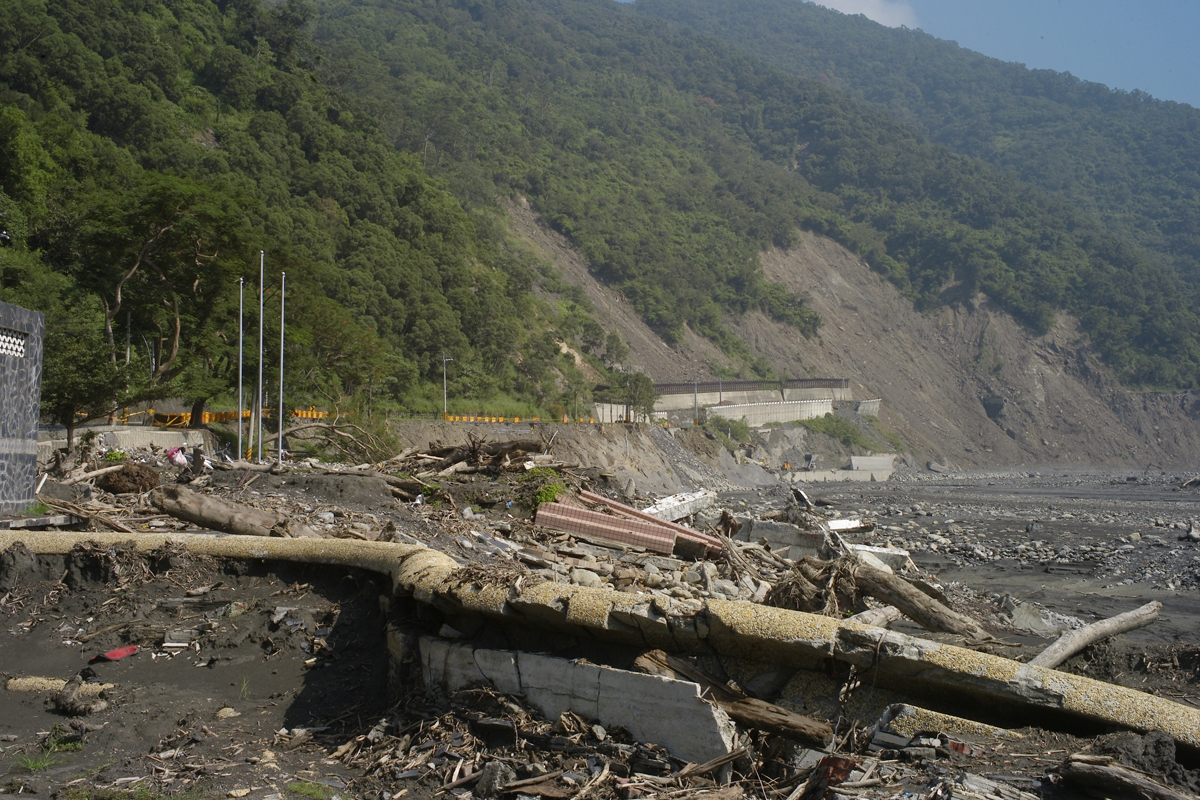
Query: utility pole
x=282 y=294
x=445 y=407
x=241 y=348
x=695 y=402
x=262 y=290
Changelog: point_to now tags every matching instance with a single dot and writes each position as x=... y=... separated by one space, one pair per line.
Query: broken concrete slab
x=687 y=540
x=652 y=708
x=580 y=521
x=849 y=525
x=894 y=558
x=799 y=542
x=678 y=506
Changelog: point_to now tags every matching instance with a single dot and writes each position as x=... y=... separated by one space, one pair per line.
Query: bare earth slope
x=965 y=384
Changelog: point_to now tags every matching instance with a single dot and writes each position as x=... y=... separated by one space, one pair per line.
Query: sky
x=1149 y=45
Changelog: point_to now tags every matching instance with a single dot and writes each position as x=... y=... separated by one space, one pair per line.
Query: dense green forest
x=150 y=149
x=669 y=157
x=1131 y=160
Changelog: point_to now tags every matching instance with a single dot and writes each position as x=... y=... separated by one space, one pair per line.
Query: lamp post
x=241 y=337
x=282 y=295
x=262 y=256
x=445 y=407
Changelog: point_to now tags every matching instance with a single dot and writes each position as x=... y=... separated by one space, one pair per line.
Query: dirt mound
x=129 y=479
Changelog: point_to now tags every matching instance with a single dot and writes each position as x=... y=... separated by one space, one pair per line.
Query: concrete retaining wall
x=873 y=463
x=869 y=408
x=686 y=402
x=835 y=475
x=834 y=393
x=756 y=414
x=123 y=436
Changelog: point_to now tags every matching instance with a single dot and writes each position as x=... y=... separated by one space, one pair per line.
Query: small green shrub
x=115 y=456
x=841 y=429
x=37 y=763
x=890 y=436
x=540 y=485
x=316 y=791
x=737 y=430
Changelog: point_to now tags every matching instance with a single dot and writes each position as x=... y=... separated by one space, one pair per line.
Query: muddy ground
x=1087 y=544
x=283 y=665
x=266 y=651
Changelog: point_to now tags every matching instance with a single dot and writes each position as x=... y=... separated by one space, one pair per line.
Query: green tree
x=79 y=380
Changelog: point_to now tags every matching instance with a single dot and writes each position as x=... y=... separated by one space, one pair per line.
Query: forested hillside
x=149 y=150
x=1130 y=159
x=668 y=158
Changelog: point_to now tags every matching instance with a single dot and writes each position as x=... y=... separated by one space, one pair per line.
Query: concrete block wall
x=868 y=408
x=21 y=335
x=756 y=414
x=820 y=393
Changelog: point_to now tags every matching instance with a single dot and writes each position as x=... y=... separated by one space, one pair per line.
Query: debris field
x=132 y=669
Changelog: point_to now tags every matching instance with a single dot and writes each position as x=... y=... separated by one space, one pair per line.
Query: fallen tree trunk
x=219 y=515
x=749 y=711
x=915 y=604
x=494 y=450
x=911 y=601
x=1099 y=774
x=1072 y=642
x=93 y=474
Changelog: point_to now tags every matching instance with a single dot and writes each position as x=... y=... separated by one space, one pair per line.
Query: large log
x=1072 y=642
x=912 y=602
x=1097 y=774
x=494 y=450
x=219 y=515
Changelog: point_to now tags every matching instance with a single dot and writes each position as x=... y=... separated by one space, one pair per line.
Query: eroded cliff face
x=964 y=384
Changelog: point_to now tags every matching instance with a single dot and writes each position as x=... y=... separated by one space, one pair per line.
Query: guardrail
x=183 y=419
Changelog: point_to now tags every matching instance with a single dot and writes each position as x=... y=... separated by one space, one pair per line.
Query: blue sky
x=1149 y=45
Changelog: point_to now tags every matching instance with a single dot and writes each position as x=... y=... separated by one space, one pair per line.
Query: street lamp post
x=282 y=295
x=445 y=407
x=241 y=337
x=259 y=399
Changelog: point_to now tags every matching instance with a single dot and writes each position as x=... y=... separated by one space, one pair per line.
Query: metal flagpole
x=445 y=361
x=282 y=294
x=241 y=337
x=262 y=256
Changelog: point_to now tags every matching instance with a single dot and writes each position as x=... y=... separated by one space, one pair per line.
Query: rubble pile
x=490 y=711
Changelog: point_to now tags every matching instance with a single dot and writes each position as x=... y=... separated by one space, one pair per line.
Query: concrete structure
x=592 y=524
x=834 y=475
x=950 y=679
x=759 y=414
x=130 y=436
x=21 y=336
x=799 y=542
x=868 y=408
x=873 y=463
x=674 y=397
x=652 y=708
x=678 y=506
